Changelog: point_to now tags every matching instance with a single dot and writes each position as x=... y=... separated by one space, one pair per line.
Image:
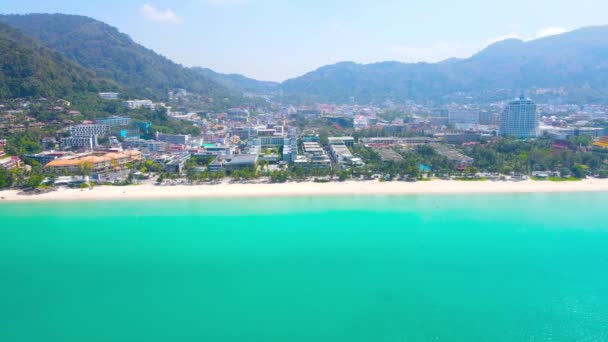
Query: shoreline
x=348 y=188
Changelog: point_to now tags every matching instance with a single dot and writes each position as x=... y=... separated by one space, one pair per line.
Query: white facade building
x=79 y=142
x=137 y=104
x=520 y=119
x=89 y=130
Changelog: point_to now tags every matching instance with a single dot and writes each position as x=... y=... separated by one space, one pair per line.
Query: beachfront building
x=46 y=157
x=95 y=161
x=341 y=155
x=290 y=150
x=314 y=156
x=520 y=119
x=453 y=155
x=388 y=155
x=234 y=162
x=175 y=163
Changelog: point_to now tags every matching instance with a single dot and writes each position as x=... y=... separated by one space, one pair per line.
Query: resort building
x=314 y=156
x=87 y=142
x=109 y=96
x=453 y=155
x=360 y=122
x=142 y=144
x=175 y=163
x=311 y=138
x=520 y=119
x=234 y=162
x=238 y=114
x=114 y=121
x=312 y=148
x=270 y=141
x=177 y=139
x=489 y=118
x=44 y=158
x=9 y=163
x=290 y=151
x=89 y=130
x=463 y=116
x=96 y=161
x=342 y=155
x=348 y=141
x=138 y=104
x=568 y=132
x=460 y=138
x=216 y=150
x=392 y=141
x=601 y=144
x=388 y=155
x=241 y=161
x=388 y=141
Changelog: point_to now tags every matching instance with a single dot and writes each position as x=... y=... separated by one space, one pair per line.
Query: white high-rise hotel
x=520 y=119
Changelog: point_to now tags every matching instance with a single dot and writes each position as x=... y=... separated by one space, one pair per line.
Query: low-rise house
x=10 y=163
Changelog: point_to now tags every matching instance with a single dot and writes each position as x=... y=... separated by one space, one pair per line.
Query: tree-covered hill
x=29 y=69
x=575 y=62
x=115 y=56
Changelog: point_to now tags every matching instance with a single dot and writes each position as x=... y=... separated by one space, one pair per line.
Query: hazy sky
x=280 y=39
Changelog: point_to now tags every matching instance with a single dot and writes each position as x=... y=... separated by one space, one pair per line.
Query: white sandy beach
x=149 y=191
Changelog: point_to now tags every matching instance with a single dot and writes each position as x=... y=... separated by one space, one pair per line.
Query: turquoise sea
x=524 y=267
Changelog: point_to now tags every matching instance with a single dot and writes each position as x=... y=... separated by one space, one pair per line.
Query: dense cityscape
x=46 y=143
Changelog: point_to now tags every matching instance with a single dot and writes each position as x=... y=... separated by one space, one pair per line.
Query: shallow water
x=504 y=267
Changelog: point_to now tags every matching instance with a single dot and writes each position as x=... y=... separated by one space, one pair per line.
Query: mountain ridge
x=574 y=60
x=114 y=55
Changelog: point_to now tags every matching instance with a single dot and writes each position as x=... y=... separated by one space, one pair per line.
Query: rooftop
x=93 y=158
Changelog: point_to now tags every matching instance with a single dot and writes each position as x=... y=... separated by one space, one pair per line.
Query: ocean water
x=524 y=267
